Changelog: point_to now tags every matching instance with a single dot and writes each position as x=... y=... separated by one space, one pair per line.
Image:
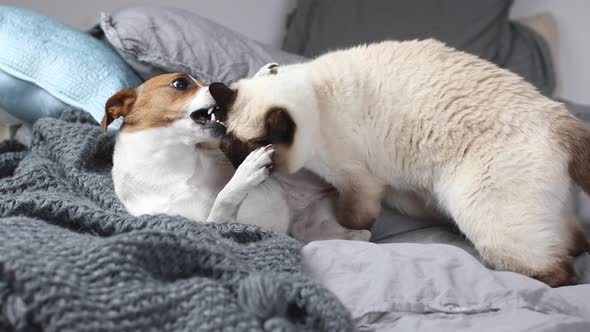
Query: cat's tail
x=576 y=137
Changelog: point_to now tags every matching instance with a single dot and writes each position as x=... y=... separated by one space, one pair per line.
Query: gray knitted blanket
x=72 y=259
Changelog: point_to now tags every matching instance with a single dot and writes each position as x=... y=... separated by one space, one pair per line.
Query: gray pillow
x=479 y=27
x=154 y=40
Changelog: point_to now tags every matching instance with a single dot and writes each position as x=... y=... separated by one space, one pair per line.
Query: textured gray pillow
x=479 y=27
x=154 y=40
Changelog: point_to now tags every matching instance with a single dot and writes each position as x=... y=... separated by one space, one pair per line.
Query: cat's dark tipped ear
x=280 y=127
x=222 y=94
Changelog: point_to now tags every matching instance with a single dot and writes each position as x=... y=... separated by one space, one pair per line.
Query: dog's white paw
x=256 y=167
x=268 y=69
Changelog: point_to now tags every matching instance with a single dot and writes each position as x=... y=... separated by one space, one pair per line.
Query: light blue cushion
x=71 y=65
x=26 y=101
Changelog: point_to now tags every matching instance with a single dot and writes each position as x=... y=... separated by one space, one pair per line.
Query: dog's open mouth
x=207 y=116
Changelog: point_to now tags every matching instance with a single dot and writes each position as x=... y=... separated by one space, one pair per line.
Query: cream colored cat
x=431 y=130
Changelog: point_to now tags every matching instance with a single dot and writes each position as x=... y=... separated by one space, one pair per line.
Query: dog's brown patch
x=118 y=105
x=155 y=103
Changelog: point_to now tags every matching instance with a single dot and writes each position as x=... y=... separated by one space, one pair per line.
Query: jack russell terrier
x=167 y=160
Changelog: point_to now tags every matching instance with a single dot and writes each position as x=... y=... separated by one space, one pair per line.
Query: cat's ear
x=268 y=69
x=280 y=127
x=222 y=94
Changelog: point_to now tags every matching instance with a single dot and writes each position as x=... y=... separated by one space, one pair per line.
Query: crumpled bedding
x=427 y=277
x=72 y=259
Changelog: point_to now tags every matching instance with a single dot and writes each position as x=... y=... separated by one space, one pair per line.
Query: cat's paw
x=268 y=69
x=358 y=235
x=255 y=169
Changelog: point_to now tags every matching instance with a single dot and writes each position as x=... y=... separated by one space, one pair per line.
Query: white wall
x=573 y=23
x=263 y=20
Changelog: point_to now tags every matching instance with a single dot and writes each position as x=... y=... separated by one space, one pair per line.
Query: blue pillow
x=69 y=64
x=26 y=101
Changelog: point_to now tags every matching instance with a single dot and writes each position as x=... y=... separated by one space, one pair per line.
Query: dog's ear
x=118 y=105
x=222 y=94
x=280 y=127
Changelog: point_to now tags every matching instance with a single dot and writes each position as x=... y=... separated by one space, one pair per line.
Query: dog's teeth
x=213 y=117
x=211 y=110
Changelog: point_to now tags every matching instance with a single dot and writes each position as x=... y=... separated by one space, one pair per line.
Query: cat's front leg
x=359 y=201
x=253 y=171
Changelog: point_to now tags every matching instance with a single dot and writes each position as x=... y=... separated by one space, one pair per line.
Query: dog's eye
x=179 y=84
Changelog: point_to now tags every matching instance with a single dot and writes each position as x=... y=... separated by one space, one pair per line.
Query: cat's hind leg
x=515 y=216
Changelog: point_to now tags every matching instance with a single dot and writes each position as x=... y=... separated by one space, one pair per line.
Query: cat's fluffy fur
x=431 y=130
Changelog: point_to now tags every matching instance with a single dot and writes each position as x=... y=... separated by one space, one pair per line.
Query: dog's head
x=278 y=108
x=176 y=102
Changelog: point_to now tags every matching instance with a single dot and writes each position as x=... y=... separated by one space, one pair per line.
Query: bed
x=420 y=275
x=71 y=257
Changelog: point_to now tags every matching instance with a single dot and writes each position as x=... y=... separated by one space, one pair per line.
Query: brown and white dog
x=167 y=160
x=430 y=130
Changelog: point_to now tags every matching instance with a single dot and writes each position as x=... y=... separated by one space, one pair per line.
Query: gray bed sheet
x=441 y=287
x=420 y=275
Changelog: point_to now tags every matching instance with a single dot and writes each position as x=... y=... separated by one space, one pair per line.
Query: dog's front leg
x=252 y=172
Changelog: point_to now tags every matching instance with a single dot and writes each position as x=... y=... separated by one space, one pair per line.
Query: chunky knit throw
x=72 y=259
